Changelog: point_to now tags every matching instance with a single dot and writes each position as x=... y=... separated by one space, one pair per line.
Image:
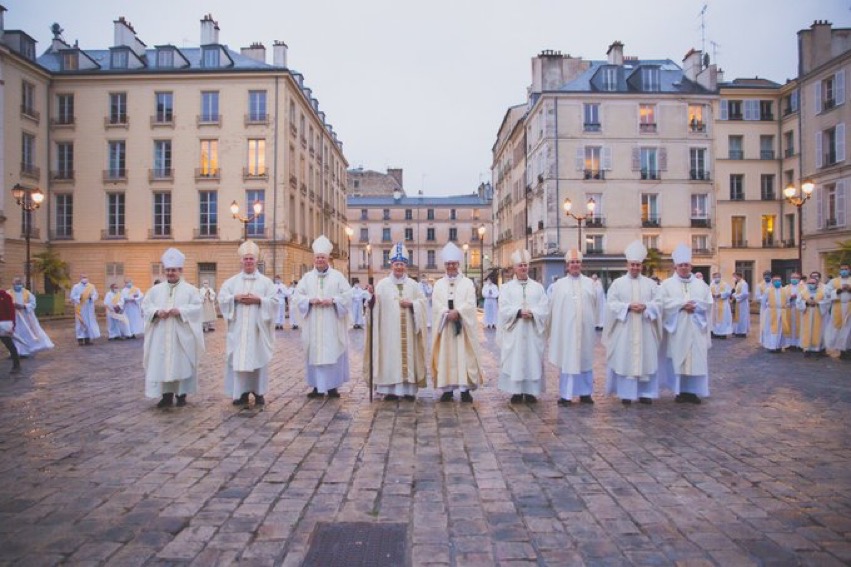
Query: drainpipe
x=275 y=186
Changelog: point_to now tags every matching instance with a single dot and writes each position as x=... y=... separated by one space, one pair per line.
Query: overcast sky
x=424 y=85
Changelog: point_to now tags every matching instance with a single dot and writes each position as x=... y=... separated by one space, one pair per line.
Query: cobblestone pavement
x=92 y=473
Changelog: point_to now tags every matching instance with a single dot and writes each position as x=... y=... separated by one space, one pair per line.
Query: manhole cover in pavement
x=352 y=544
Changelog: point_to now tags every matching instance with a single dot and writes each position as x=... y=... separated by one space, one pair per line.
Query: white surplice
x=133 y=297
x=573 y=318
x=687 y=334
x=117 y=325
x=741 y=308
x=490 y=292
x=29 y=337
x=84 y=296
x=455 y=344
x=522 y=341
x=722 y=314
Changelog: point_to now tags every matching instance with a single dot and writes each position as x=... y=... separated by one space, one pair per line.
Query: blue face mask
x=18 y=287
x=128 y=285
x=777 y=284
x=812 y=286
x=794 y=281
x=767 y=279
x=843 y=273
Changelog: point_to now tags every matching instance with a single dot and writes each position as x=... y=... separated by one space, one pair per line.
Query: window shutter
x=819 y=209
x=819 y=155
x=817 y=88
x=607 y=158
x=751 y=110
x=663 y=159
x=841 y=199
x=636 y=159
x=794 y=100
x=840 y=142
x=840 y=87
x=580 y=158
x=725 y=111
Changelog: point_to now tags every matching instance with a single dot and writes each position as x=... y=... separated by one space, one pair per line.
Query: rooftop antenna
x=715 y=47
x=703 y=28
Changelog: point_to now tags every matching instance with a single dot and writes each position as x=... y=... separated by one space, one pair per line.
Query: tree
x=842 y=255
x=55 y=270
x=652 y=262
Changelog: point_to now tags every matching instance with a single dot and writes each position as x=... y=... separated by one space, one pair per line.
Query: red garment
x=7 y=307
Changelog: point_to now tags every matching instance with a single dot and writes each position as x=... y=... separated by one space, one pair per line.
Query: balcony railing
x=160 y=233
x=117 y=121
x=766 y=154
x=647 y=174
x=30 y=170
x=647 y=128
x=738 y=195
x=254 y=173
x=768 y=196
x=161 y=174
x=256 y=119
x=596 y=174
x=701 y=223
x=293 y=181
x=736 y=116
x=736 y=154
x=789 y=243
x=738 y=243
x=830 y=223
x=829 y=159
x=595 y=222
x=206 y=232
x=828 y=103
x=652 y=221
x=701 y=251
x=208 y=119
x=62 y=175
x=62 y=234
x=767 y=117
x=769 y=242
x=592 y=127
x=789 y=152
x=208 y=173
x=30 y=112
x=114 y=175
x=62 y=122
x=696 y=126
x=592 y=250
x=114 y=233
x=165 y=120
x=34 y=231
x=260 y=234
x=699 y=175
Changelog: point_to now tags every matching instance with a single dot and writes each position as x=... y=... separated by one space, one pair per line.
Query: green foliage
x=842 y=255
x=652 y=263
x=55 y=270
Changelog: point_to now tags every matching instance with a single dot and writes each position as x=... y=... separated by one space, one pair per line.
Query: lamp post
x=798 y=200
x=482 y=252
x=29 y=198
x=579 y=218
x=466 y=247
x=349 y=232
x=369 y=264
x=234 y=210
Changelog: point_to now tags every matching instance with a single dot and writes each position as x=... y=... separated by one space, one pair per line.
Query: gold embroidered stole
x=812 y=320
x=403 y=330
x=779 y=307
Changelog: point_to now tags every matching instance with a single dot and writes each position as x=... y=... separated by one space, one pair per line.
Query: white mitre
x=322 y=246
x=173 y=258
x=451 y=253
x=249 y=247
x=635 y=252
x=520 y=257
x=681 y=254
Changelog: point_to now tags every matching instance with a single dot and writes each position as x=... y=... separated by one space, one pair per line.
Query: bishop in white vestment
x=208 y=307
x=281 y=294
x=248 y=304
x=323 y=299
x=174 y=341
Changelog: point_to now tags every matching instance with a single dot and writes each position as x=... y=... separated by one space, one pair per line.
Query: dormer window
x=165 y=58
x=119 y=59
x=70 y=61
x=610 y=79
x=211 y=57
x=651 y=79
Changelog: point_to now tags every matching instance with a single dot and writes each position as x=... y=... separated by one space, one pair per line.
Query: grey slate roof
x=389 y=201
x=672 y=78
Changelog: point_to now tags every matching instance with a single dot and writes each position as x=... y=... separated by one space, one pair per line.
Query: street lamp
x=369 y=264
x=29 y=198
x=466 y=247
x=590 y=205
x=349 y=232
x=798 y=200
x=482 y=251
x=234 y=210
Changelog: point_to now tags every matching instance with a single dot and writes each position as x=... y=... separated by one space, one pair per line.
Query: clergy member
x=359 y=296
x=397 y=338
x=601 y=302
x=7 y=329
x=760 y=290
x=814 y=305
x=174 y=341
x=490 y=292
x=740 y=306
x=776 y=325
x=323 y=299
x=29 y=337
x=454 y=341
x=117 y=325
x=133 y=308
x=83 y=296
x=722 y=315
x=524 y=314
x=632 y=333
x=248 y=304
x=573 y=320
x=281 y=294
x=794 y=289
x=838 y=332
x=686 y=302
x=208 y=307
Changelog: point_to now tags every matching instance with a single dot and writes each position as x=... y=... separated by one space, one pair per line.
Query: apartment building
x=509 y=178
x=143 y=148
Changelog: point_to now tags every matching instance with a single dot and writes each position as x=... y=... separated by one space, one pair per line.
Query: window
x=64 y=206
x=209 y=158
x=386 y=214
x=696 y=121
x=430 y=259
x=766 y=187
x=700 y=206
x=117 y=160
x=292 y=118
x=790 y=103
x=789 y=143
x=118 y=108
x=650 y=241
x=592 y=163
x=830 y=146
x=28 y=99
x=766 y=147
x=28 y=166
x=452 y=214
x=649 y=163
x=115 y=215
x=430 y=234
x=768 y=223
x=737 y=187
x=208 y=213
x=594 y=244
x=737 y=226
x=64 y=160
x=647 y=118
x=751 y=109
x=364 y=214
x=114 y=274
x=211 y=57
x=430 y=214
x=385 y=234
x=409 y=234
x=257 y=226
x=734 y=107
x=766 y=110
x=700 y=244
x=610 y=78
x=364 y=235
x=591 y=113
x=698 y=169
x=162 y=159
x=162 y=214
x=650 y=210
x=119 y=58
x=257 y=106
x=474 y=258
x=210 y=106
x=596 y=218
x=165 y=58
x=790 y=229
x=830 y=92
x=735 y=145
x=385 y=258
x=256 y=158
x=70 y=61
x=831 y=205
x=409 y=214
x=165 y=107
x=651 y=79
x=453 y=234
x=65 y=109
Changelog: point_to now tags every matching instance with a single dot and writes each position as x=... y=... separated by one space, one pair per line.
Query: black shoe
x=333 y=393
x=530 y=399
x=517 y=399
x=315 y=394
x=391 y=398
x=410 y=398
x=88 y=342
x=626 y=402
x=447 y=397
x=16 y=369
x=295 y=327
x=647 y=401
x=693 y=399
x=181 y=400
x=259 y=400
x=681 y=398
x=467 y=397
x=585 y=400
x=242 y=401
x=166 y=401
x=80 y=342
x=564 y=402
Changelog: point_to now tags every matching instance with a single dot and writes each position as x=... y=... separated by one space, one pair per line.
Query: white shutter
x=819 y=209
x=817 y=88
x=839 y=87
x=751 y=110
x=636 y=159
x=725 y=111
x=819 y=155
x=840 y=142
x=607 y=158
x=841 y=199
x=580 y=158
x=663 y=159
x=794 y=100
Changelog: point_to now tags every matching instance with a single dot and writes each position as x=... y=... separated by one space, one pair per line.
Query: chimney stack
x=396 y=173
x=2 y=24
x=125 y=35
x=279 y=54
x=209 y=30
x=256 y=51
x=692 y=64
x=615 y=53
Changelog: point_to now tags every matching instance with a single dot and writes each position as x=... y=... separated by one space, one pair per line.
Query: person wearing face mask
x=813 y=304
x=759 y=293
x=722 y=316
x=838 y=334
x=792 y=342
x=740 y=306
x=84 y=295
x=776 y=327
x=208 y=307
x=133 y=296
x=118 y=327
x=281 y=293
x=454 y=340
x=29 y=337
x=323 y=299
